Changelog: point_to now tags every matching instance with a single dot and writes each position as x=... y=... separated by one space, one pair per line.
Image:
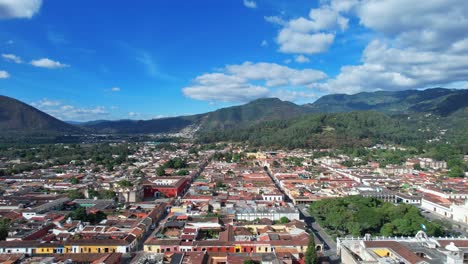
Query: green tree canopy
x=311 y=252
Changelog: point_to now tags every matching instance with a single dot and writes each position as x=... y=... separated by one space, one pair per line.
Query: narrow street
x=329 y=242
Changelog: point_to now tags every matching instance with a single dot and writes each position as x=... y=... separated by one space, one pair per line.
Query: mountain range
x=437 y=100
x=16 y=116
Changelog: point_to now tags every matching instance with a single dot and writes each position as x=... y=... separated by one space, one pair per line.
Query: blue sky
x=86 y=59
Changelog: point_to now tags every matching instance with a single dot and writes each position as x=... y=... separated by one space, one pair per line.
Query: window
x=465 y=258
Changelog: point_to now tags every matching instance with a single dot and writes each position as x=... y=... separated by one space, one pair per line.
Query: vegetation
x=4 y=228
x=82 y=215
x=176 y=163
x=321 y=131
x=104 y=194
x=21 y=119
x=125 y=183
x=311 y=253
x=75 y=194
x=440 y=101
x=182 y=172
x=229 y=156
x=74 y=180
x=355 y=215
x=46 y=156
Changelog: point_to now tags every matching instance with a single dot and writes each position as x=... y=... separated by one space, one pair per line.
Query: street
x=455 y=226
x=329 y=242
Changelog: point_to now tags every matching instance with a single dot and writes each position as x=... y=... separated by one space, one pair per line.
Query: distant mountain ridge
x=16 y=116
x=437 y=100
x=259 y=110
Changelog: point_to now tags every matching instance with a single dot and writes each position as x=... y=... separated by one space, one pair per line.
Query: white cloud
x=4 y=75
x=248 y=81
x=427 y=24
x=46 y=103
x=48 y=63
x=391 y=68
x=275 y=20
x=12 y=58
x=115 y=89
x=301 y=59
x=274 y=74
x=264 y=43
x=291 y=41
x=312 y=34
x=19 y=8
x=222 y=87
x=69 y=112
x=421 y=43
x=250 y=4
x=133 y=114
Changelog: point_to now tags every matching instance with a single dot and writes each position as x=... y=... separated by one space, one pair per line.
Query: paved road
x=457 y=227
x=330 y=243
x=286 y=197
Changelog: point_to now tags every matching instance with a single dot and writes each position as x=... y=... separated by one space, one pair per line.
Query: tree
x=220 y=184
x=388 y=229
x=182 y=172
x=108 y=194
x=124 y=183
x=82 y=215
x=311 y=253
x=161 y=171
x=74 y=180
x=79 y=214
x=93 y=193
x=355 y=215
x=456 y=171
x=75 y=194
x=284 y=220
x=4 y=228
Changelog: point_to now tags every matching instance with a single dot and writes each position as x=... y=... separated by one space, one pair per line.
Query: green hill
x=438 y=100
x=19 y=118
x=251 y=113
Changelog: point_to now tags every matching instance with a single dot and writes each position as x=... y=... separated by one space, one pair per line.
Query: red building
x=165 y=187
